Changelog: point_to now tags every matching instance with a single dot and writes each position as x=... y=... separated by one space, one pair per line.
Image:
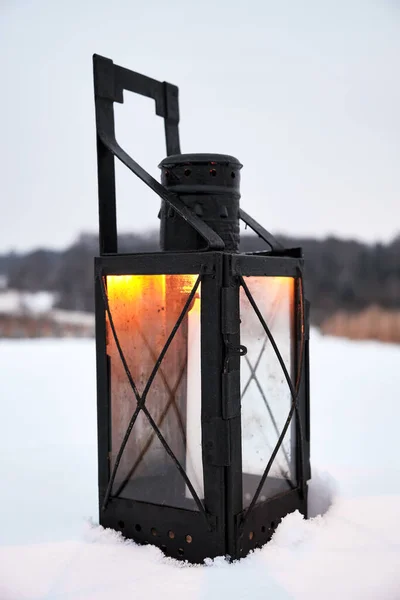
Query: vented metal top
x=209 y=185
x=200 y=159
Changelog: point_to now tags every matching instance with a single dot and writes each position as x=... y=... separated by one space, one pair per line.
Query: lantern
x=202 y=355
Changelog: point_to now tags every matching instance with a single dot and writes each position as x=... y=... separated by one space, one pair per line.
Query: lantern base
x=183 y=534
x=262 y=521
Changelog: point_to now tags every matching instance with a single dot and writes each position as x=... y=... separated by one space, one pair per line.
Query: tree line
x=339 y=274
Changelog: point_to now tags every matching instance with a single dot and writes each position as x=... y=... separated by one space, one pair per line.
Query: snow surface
x=349 y=550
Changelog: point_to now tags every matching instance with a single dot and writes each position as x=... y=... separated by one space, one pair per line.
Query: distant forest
x=339 y=275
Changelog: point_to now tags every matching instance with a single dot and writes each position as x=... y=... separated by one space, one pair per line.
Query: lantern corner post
x=231 y=401
x=214 y=428
x=303 y=414
x=103 y=387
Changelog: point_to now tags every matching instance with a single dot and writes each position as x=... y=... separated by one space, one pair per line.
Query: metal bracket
x=109 y=82
x=261 y=232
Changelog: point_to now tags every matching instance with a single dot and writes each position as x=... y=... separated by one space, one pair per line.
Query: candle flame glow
x=132 y=286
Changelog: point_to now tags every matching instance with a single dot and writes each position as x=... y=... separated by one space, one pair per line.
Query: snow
x=350 y=549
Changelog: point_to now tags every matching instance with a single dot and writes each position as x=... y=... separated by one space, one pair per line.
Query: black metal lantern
x=202 y=355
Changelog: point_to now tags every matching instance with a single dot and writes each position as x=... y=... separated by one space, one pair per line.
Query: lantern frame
x=222 y=527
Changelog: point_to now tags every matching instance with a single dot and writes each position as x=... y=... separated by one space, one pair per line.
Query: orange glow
x=195 y=307
x=281 y=281
x=285 y=285
x=133 y=286
x=150 y=303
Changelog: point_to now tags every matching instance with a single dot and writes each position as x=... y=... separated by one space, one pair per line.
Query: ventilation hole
x=163 y=547
x=181 y=551
x=153 y=531
x=121 y=524
x=198 y=209
x=233 y=175
x=263 y=529
x=138 y=527
x=251 y=535
x=213 y=172
x=171 y=535
x=189 y=539
x=187 y=172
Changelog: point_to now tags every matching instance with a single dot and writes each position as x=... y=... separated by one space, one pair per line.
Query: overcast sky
x=306 y=93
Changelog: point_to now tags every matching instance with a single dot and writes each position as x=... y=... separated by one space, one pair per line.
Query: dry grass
x=373 y=323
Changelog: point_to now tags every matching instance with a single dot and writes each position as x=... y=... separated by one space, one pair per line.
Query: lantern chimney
x=208 y=184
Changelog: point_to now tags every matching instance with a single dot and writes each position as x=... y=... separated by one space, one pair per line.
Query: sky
x=306 y=94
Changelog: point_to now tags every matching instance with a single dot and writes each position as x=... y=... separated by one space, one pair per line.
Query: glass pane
x=145 y=309
x=265 y=395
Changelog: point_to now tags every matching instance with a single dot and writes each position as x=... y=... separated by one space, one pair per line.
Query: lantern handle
x=109 y=82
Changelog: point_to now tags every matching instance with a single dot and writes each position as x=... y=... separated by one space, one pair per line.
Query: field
x=50 y=547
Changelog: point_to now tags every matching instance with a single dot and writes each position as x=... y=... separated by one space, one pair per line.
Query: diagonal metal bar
x=171 y=402
x=253 y=376
x=293 y=390
x=142 y=399
x=274 y=306
x=246 y=387
x=271 y=414
x=171 y=391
